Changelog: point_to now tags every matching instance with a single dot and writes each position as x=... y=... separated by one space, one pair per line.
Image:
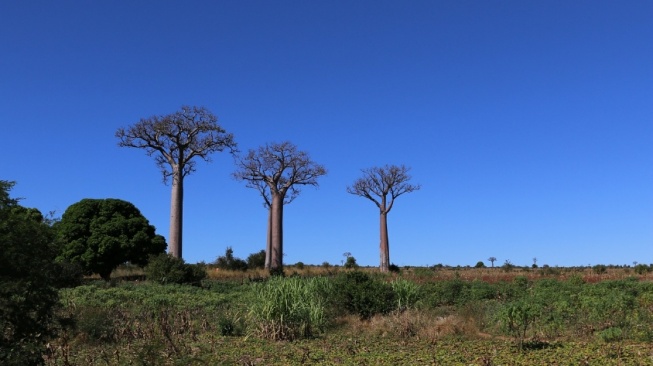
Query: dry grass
x=403 y=325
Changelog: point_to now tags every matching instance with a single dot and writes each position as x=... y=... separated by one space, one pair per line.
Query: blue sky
x=529 y=124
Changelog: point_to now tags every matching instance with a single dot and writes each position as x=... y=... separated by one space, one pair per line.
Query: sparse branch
x=277 y=170
x=176 y=140
x=375 y=185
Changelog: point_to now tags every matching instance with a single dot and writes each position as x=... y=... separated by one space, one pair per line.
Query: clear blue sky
x=529 y=124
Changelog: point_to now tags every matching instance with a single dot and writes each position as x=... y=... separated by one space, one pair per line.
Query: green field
x=318 y=316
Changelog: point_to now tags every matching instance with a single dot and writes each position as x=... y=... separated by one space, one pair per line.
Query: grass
x=440 y=316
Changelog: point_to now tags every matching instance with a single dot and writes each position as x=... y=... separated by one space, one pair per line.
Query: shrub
x=479 y=264
x=166 y=269
x=642 y=269
x=256 y=260
x=600 y=269
x=229 y=262
x=393 y=268
x=351 y=263
x=358 y=293
x=299 y=265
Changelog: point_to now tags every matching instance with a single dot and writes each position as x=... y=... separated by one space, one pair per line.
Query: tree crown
x=379 y=182
x=278 y=169
x=176 y=139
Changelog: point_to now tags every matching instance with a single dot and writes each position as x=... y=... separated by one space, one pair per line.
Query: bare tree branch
x=176 y=140
x=277 y=171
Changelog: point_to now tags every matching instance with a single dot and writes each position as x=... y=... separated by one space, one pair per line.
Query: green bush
x=358 y=293
x=166 y=269
x=351 y=263
x=228 y=261
x=256 y=260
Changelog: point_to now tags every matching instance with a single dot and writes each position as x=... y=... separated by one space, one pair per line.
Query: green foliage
x=600 y=269
x=407 y=293
x=229 y=262
x=165 y=269
x=28 y=281
x=350 y=263
x=358 y=293
x=641 y=269
x=101 y=234
x=479 y=264
x=290 y=308
x=394 y=268
x=256 y=260
x=508 y=266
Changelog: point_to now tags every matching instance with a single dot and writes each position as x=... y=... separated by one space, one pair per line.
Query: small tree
x=101 y=234
x=281 y=168
x=376 y=185
x=176 y=140
x=492 y=260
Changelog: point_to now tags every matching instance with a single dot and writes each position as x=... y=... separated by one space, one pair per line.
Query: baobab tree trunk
x=385 y=245
x=176 y=215
x=268 y=243
x=276 y=245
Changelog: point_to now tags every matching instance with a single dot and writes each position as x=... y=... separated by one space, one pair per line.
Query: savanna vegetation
x=330 y=315
x=96 y=288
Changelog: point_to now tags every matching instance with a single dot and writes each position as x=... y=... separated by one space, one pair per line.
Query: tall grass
x=289 y=308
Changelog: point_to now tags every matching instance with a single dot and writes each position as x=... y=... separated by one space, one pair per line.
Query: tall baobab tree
x=176 y=140
x=382 y=185
x=277 y=170
x=264 y=190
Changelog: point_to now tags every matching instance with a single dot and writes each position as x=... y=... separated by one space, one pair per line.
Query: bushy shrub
x=166 y=269
x=600 y=269
x=256 y=260
x=394 y=268
x=228 y=261
x=479 y=264
x=358 y=293
x=351 y=263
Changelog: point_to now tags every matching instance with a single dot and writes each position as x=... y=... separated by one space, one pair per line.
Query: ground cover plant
x=329 y=316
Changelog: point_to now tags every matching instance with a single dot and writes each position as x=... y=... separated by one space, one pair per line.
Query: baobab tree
x=264 y=190
x=277 y=170
x=492 y=260
x=176 y=140
x=382 y=185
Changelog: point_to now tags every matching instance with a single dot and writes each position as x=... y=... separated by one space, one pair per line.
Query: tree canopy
x=101 y=234
x=28 y=281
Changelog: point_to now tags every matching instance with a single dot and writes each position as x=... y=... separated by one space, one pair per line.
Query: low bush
x=166 y=269
x=358 y=293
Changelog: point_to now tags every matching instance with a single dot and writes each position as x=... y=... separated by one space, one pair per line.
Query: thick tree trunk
x=384 y=245
x=268 y=243
x=176 y=215
x=276 y=245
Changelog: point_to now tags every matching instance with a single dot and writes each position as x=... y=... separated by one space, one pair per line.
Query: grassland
x=426 y=316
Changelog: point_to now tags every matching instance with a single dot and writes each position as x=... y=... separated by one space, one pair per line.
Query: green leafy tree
x=101 y=234
x=28 y=280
